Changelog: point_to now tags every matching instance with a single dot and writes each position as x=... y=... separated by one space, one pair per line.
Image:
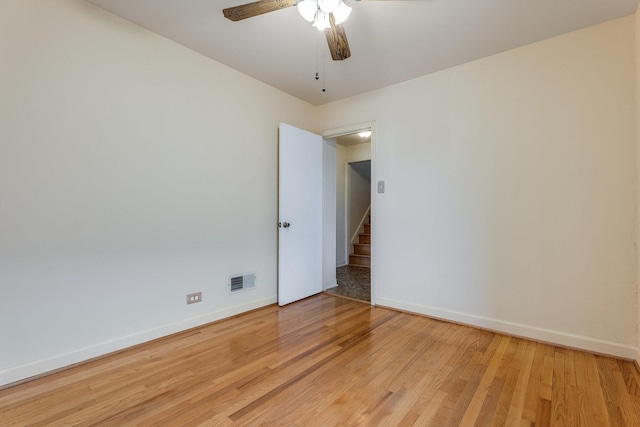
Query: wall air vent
x=242 y=283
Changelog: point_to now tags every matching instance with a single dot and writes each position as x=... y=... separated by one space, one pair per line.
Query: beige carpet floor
x=353 y=282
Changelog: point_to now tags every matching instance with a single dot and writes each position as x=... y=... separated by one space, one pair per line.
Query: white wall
x=510 y=190
x=329 y=213
x=359 y=195
x=344 y=156
x=132 y=171
x=341 y=208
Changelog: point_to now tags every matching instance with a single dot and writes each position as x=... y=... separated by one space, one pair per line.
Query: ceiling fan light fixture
x=318 y=12
x=341 y=13
x=322 y=21
x=329 y=6
x=308 y=9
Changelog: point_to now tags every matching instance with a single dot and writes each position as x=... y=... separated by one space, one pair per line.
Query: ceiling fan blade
x=337 y=40
x=256 y=8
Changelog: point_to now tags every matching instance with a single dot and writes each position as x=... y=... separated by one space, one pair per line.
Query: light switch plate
x=380 y=186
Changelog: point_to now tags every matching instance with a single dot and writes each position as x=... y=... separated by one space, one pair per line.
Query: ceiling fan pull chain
x=324 y=73
x=317 y=53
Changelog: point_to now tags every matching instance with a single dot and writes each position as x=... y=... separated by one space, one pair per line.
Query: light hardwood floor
x=329 y=361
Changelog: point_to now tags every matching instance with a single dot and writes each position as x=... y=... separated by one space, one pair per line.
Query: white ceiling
x=352 y=139
x=391 y=41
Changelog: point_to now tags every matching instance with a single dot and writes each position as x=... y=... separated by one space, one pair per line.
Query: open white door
x=300 y=215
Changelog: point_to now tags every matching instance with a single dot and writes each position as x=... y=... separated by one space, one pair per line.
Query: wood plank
x=471 y=414
x=532 y=400
x=615 y=393
x=249 y=10
x=558 y=391
x=520 y=392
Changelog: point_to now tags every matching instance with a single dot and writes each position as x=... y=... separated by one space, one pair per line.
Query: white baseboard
x=40 y=367
x=341 y=263
x=518 y=330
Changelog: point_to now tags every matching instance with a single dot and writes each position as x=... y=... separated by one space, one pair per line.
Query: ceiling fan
x=326 y=15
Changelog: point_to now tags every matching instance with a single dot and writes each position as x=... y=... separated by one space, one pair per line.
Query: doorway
x=353 y=216
x=327 y=224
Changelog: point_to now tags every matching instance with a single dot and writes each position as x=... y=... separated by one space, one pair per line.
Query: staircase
x=361 y=255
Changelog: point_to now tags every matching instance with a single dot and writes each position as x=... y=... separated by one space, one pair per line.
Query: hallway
x=353 y=282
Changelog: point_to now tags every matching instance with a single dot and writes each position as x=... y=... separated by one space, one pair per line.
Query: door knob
x=286 y=225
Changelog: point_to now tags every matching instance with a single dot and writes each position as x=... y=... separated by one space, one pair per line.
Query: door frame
x=348 y=130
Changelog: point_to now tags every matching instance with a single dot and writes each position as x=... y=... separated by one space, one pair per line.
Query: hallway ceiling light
x=319 y=11
x=365 y=134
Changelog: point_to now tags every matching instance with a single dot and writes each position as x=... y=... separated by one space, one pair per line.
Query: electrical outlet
x=194 y=298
